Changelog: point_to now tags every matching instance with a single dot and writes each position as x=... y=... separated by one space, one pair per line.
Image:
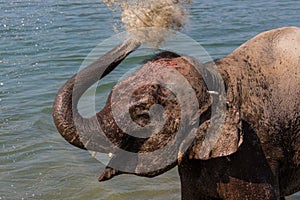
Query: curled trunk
x=66 y=117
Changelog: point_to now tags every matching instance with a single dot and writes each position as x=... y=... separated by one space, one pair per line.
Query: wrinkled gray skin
x=258 y=153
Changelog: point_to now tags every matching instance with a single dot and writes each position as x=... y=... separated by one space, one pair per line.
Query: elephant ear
x=216 y=136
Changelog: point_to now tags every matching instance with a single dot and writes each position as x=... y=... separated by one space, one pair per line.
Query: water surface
x=43 y=43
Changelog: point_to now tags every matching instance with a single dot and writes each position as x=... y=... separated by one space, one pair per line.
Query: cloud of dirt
x=150 y=21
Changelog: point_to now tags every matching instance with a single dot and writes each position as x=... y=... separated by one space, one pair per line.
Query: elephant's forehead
x=174 y=74
x=150 y=71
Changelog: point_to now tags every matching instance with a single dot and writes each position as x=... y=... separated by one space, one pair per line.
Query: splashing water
x=150 y=21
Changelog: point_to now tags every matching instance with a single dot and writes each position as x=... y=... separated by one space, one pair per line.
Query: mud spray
x=151 y=21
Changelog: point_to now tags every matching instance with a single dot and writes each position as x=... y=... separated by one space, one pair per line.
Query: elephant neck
x=230 y=71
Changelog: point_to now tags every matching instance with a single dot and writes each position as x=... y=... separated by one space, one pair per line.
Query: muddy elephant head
x=152 y=119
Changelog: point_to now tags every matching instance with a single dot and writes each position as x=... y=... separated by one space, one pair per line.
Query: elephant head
x=153 y=118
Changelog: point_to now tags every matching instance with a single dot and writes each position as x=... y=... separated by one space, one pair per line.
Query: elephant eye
x=143 y=119
x=140 y=114
x=144 y=116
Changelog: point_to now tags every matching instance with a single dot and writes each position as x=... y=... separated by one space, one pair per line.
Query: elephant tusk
x=110 y=155
x=179 y=157
x=213 y=92
x=94 y=153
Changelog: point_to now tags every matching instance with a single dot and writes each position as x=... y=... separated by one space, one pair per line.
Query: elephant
x=257 y=152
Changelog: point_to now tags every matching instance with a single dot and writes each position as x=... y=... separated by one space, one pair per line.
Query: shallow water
x=43 y=43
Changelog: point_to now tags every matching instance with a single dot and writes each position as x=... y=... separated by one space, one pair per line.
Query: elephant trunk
x=66 y=117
